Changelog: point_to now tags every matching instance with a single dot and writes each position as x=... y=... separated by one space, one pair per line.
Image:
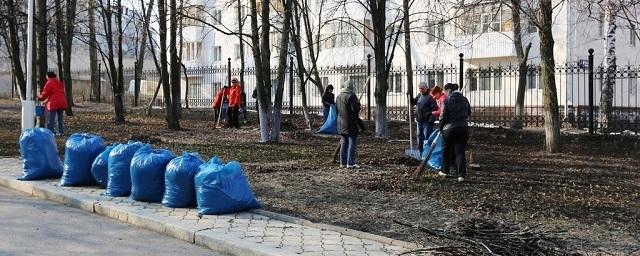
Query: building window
x=325 y=82
x=395 y=83
x=217 y=53
x=484 y=75
x=342 y=35
x=236 y=51
x=358 y=83
x=217 y=17
x=601 y=25
x=533 y=81
x=633 y=86
x=483 y=18
x=435 y=31
x=497 y=79
x=435 y=78
x=472 y=79
x=194 y=13
x=632 y=35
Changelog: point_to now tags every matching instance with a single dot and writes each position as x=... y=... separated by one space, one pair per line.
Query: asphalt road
x=30 y=226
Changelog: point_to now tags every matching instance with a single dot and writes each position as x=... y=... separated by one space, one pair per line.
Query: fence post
x=99 y=82
x=229 y=71
x=136 y=84
x=461 y=55
x=368 y=86
x=291 y=86
x=591 y=121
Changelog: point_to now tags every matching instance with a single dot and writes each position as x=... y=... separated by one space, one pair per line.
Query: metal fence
x=491 y=90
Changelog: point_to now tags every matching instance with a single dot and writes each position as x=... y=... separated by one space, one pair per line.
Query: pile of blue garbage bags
x=138 y=170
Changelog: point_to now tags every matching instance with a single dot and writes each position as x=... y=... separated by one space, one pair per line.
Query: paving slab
x=256 y=232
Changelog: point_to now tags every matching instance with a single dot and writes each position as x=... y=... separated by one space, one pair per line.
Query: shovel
x=411 y=152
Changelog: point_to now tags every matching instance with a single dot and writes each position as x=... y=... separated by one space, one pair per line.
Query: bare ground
x=590 y=193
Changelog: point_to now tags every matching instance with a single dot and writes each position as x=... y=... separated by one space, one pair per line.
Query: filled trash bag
x=222 y=189
x=147 y=174
x=100 y=167
x=435 y=161
x=119 y=183
x=179 y=181
x=39 y=155
x=80 y=152
x=330 y=126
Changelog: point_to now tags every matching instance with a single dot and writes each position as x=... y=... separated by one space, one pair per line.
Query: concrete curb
x=341 y=230
x=152 y=217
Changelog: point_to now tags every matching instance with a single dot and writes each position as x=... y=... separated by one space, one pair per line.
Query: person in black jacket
x=425 y=104
x=328 y=99
x=348 y=109
x=455 y=130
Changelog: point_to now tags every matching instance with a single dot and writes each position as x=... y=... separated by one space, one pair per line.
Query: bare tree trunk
x=407 y=46
x=523 y=56
x=118 y=94
x=261 y=55
x=171 y=115
x=295 y=34
x=93 y=50
x=241 y=45
x=551 y=114
x=15 y=48
x=174 y=64
x=606 y=98
x=282 y=69
x=378 y=13
x=314 y=44
x=69 y=28
x=59 y=14
x=181 y=65
x=142 y=48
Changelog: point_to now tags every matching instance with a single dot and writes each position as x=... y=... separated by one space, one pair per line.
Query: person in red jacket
x=56 y=102
x=235 y=99
x=440 y=98
x=221 y=103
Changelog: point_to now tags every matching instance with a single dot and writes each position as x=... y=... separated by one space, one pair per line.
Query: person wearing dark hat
x=454 y=125
x=348 y=110
x=425 y=105
x=235 y=99
x=53 y=95
x=328 y=99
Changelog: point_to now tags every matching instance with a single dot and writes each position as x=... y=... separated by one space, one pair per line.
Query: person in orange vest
x=235 y=100
x=221 y=102
x=53 y=95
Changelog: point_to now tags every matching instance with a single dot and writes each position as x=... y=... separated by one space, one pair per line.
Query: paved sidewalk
x=246 y=233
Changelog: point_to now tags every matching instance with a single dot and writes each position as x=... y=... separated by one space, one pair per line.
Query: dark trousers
x=233 y=119
x=455 y=144
x=52 y=117
x=424 y=131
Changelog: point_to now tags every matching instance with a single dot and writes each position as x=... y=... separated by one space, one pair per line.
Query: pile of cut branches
x=480 y=236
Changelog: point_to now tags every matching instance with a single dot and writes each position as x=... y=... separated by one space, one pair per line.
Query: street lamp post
x=28 y=105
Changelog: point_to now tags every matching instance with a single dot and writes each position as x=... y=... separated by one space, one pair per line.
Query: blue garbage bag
x=39 y=155
x=435 y=161
x=222 y=189
x=179 y=181
x=330 y=126
x=100 y=167
x=119 y=183
x=147 y=174
x=80 y=152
